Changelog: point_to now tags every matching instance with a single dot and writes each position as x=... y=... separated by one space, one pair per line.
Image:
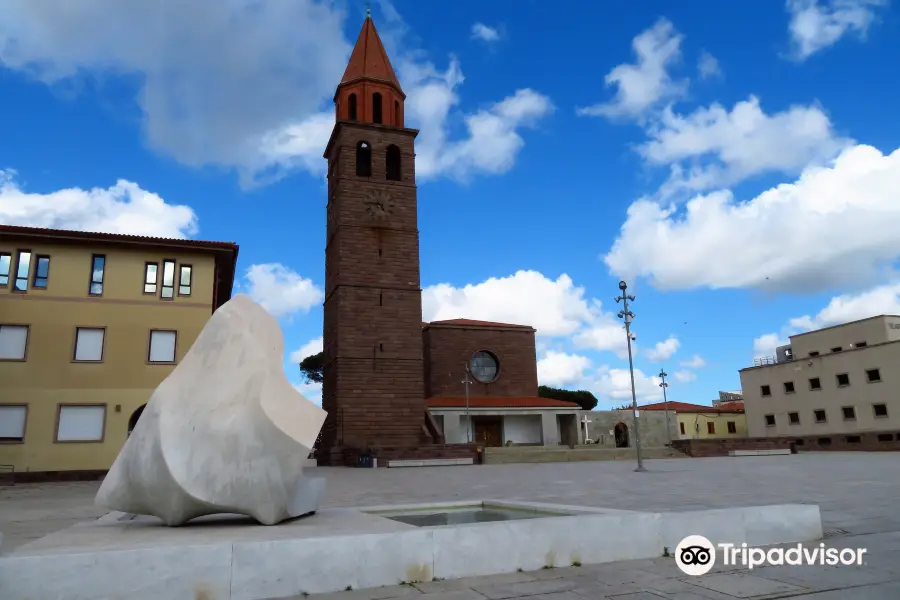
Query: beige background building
x=90 y=324
x=838 y=380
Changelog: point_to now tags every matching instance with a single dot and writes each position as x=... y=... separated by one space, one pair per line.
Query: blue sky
x=736 y=162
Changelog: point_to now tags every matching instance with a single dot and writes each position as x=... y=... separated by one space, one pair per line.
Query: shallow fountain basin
x=228 y=557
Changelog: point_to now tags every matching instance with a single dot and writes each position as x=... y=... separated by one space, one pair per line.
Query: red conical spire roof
x=369 y=59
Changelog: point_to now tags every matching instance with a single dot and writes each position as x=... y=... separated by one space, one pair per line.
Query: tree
x=311 y=367
x=583 y=398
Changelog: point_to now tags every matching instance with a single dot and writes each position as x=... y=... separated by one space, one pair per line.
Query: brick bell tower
x=373 y=386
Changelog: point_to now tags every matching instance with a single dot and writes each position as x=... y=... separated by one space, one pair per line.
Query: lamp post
x=627 y=316
x=664 y=385
x=466 y=382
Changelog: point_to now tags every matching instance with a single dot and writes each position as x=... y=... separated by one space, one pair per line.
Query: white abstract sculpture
x=225 y=432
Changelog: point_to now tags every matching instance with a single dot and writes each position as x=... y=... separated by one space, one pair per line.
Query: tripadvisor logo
x=695 y=555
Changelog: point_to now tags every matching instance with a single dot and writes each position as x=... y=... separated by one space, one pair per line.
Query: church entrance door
x=488 y=430
x=621 y=431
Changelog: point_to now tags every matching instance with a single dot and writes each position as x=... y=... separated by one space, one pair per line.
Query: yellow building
x=696 y=421
x=90 y=324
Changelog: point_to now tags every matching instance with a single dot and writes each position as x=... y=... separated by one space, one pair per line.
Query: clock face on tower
x=379 y=206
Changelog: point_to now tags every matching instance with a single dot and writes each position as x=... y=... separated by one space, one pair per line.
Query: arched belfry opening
x=135 y=417
x=392 y=163
x=351 y=107
x=363 y=159
x=376 y=108
x=397 y=119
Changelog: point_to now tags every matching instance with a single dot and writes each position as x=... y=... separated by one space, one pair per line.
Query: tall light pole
x=466 y=383
x=627 y=315
x=664 y=385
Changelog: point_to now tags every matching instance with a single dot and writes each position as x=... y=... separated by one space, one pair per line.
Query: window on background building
x=710 y=427
x=814 y=353
x=794 y=418
x=41 y=273
x=853 y=439
x=815 y=383
x=151 y=277
x=770 y=420
x=824 y=441
x=484 y=367
x=765 y=390
x=885 y=437
x=843 y=379
x=873 y=375
x=820 y=416
x=681 y=428
x=351 y=107
x=184 y=280
x=5 y=265
x=89 y=344
x=732 y=427
x=880 y=410
x=13 y=342
x=162 y=346
x=789 y=387
x=23 y=267
x=392 y=163
x=376 y=108
x=81 y=423
x=849 y=413
x=12 y=422
x=98 y=268
x=168 y=280
x=363 y=159
x=837 y=349
x=861 y=344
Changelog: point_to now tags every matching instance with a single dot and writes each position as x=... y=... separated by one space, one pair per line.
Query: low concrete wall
x=542 y=454
x=721 y=447
x=652 y=424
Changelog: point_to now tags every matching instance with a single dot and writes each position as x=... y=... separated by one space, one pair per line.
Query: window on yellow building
x=732 y=427
x=168 y=280
x=41 y=273
x=5 y=264
x=184 y=280
x=89 y=344
x=12 y=422
x=162 y=346
x=23 y=267
x=151 y=277
x=13 y=342
x=98 y=269
x=681 y=427
x=710 y=427
x=80 y=423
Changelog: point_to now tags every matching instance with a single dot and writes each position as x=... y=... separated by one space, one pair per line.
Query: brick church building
x=393 y=385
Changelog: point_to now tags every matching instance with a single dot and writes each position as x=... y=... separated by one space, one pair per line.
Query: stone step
x=768 y=452
x=535 y=454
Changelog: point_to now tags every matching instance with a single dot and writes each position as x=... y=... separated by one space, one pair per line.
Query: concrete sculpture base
x=224 y=433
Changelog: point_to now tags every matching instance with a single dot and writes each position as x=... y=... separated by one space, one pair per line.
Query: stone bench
x=769 y=452
x=431 y=462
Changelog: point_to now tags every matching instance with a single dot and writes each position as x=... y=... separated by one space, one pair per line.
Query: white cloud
x=614 y=386
x=765 y=344
x=708 y=66
x=482 y=32
x=558 y=369
x=280 y=290
x=833 y=227
x=696 y=362
x=606 y=335
x=248 y=85
x=881 y=300
x=554 y=307
x=685 y=376
x=663 y=350
x=121 y=208
x=643 y=85
x=815 y=24
x=714 y=146
x=313 y=346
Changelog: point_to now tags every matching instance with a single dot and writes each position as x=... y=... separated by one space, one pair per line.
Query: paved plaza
x=859 y=496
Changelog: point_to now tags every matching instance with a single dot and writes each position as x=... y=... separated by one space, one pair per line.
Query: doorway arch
x=621 y=433
x=135 y=417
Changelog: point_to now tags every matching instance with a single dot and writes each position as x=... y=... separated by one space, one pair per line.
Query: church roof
x=474 y=323
x=686 y=407
x=497 y=402
x=369 y=59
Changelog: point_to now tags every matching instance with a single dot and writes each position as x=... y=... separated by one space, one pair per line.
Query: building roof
x=369 y=60
x=474 y=323
x=497 y=402
x=841 y=325
x=226 y=253
x=686 y=407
